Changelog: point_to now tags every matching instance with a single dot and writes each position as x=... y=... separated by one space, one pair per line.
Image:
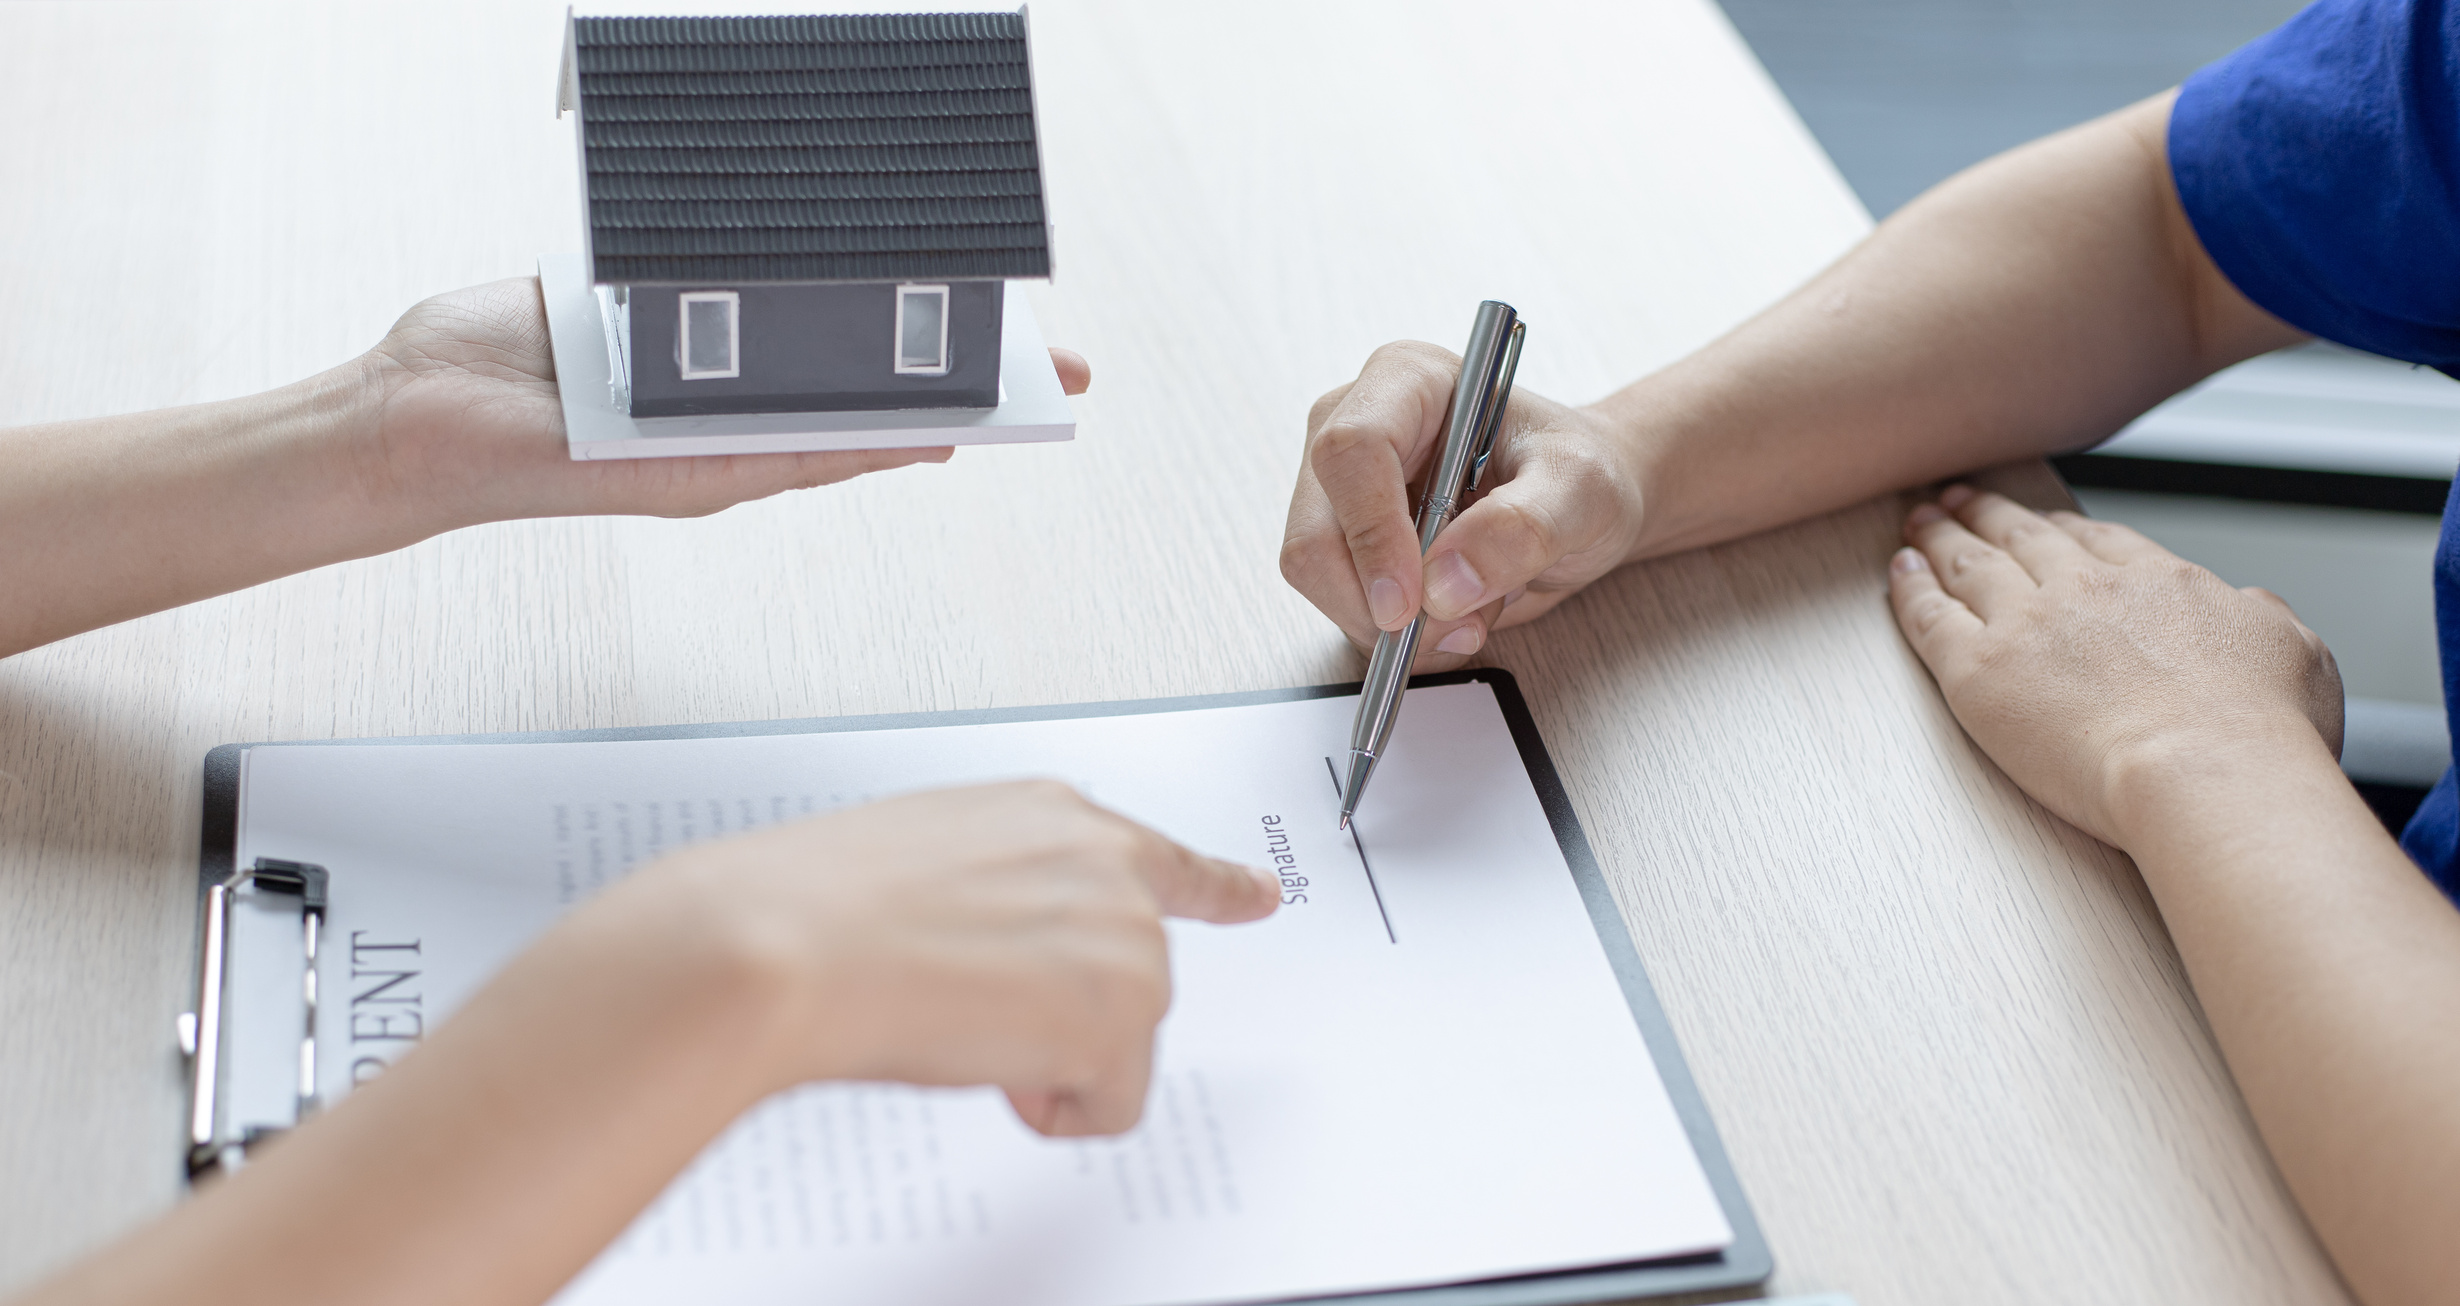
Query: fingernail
x=1516 y=596
x=1925 y=515
x=1908 y=561
x=1385 y=603
x=1955 y=496
x=1453 y=586
x=1463 y=641
x=1270 y=881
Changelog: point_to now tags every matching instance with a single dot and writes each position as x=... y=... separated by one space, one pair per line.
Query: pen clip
x=1494 y=413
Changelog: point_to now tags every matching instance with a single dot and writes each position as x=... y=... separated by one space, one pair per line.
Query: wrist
x=1646 y=424
x=385 y=481
x=317 y=445
x=751 y=986
x=2216 y=784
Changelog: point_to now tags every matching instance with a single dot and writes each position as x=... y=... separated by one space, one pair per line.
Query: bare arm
x=2195 y=726
x=451 y=420
x=2033 y=303
x=1008 y=935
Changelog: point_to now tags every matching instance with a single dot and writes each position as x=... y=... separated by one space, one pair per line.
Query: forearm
x=111 y=518
x=2034 y=303
x=452 y=419
x=491 y=1164
x=2330 y=972
x=1004 y=934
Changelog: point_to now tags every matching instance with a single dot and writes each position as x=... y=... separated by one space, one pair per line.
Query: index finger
x=1191 y=885
x=1360 y=460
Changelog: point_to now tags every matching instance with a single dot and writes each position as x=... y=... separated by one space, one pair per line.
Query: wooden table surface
x=1946 y=1038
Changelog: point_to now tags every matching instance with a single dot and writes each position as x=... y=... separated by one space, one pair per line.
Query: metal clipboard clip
x=200 y=1031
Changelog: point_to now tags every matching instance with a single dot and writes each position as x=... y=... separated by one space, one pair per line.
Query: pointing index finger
x=1191 y=885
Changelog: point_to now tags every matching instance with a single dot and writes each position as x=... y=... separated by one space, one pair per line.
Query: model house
x=806 y=214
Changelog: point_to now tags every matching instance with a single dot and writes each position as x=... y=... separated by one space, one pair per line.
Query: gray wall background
x=1903 y=93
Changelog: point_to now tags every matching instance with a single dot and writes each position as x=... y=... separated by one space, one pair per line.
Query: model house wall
x=814 y=348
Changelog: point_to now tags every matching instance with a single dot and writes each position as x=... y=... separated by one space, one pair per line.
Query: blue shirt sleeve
x=2320 y=166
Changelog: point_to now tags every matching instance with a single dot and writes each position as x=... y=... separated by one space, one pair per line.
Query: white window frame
x=734 y=333
x=896 y=341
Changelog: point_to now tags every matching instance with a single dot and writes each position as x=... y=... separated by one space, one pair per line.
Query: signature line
x=1363 y=865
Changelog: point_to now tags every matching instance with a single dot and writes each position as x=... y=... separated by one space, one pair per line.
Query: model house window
x=922 y=330
x=710 y=342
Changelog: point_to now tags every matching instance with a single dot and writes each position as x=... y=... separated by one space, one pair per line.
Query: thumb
x=1075 y=374
x=1514 y=535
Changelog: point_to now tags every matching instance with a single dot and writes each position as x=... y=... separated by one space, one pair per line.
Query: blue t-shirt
x=2321 y=168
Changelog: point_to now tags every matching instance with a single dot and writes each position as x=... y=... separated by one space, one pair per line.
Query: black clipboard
x=1744 y=1262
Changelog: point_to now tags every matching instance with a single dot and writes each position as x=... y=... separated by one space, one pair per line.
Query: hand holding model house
x=804 y=226
x=799 y=233
x=463 y=413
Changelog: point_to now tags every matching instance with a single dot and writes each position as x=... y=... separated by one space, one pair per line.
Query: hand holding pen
x=1559 y=506
x=1473 y=418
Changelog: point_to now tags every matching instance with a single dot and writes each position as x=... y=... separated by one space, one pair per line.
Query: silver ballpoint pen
x=1478 y=399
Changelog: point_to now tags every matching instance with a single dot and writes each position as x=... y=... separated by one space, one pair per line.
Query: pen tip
x=1345 y=820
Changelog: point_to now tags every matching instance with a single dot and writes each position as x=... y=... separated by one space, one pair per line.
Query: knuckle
x=2182 y=574
x=1055 y=793
x=1150 y=847
x=2325 y=664
x=1416 y=356
x=1368 y=537
x=1341 y=442
x=1297 y=563
x=2095 y=583
x=1325 y=404
x=1987 y=657
x=1926 y=612
x=1302 y=561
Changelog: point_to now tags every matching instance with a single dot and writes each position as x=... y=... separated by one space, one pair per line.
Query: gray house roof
x=874 y=147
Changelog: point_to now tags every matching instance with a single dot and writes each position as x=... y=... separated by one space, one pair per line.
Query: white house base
x=1031 y=405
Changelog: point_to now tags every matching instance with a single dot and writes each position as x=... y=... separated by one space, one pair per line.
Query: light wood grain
x=1946 y=1038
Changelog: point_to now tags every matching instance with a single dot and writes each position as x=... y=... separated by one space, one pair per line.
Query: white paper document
x=1421 y=1070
